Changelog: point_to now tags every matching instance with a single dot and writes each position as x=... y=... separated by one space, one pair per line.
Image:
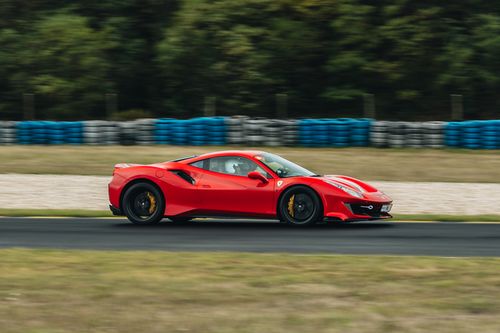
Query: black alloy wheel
x=300 y=206
x=143 y=203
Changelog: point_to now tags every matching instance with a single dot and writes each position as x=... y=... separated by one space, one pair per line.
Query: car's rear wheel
x=143 y=203
x=300 y=206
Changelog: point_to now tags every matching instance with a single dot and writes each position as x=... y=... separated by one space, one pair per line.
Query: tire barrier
x=145 y=131
x=253 y=131
x=8 y=132
x=341 y=132
x=262 y=131
x=243 y=130
x=49 y=132
x=398 y=134
x=235 y=133
x=379 y=136
x=101 y=132
x=196 y=131
x=473 y=134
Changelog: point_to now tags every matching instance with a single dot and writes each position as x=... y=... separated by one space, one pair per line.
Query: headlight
x=346 y=189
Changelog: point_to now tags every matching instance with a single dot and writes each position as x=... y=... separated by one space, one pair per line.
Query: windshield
x=282 y=167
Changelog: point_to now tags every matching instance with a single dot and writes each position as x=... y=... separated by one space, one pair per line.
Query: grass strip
x=447 y=218
x=54 y=212
x=133 y=291
x=409 y=164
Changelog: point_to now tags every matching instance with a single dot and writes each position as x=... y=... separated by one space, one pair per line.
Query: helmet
x=230 y=166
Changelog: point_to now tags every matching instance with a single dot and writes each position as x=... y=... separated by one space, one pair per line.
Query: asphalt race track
x=441 y=239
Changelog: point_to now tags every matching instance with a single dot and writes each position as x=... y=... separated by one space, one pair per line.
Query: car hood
x=369 y=192
x=352 y=183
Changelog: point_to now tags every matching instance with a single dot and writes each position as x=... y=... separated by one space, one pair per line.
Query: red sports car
x=240 y=183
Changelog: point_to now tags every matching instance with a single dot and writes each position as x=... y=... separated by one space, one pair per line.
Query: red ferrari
x=240 y=183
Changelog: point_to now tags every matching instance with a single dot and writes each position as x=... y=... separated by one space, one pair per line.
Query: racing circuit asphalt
x=441 y=239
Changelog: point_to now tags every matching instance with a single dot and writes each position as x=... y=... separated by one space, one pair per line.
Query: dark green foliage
x=167 y=56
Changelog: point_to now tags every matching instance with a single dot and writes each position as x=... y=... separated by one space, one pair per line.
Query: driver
x=231 y=166
x=239 y=167
x=244 y=168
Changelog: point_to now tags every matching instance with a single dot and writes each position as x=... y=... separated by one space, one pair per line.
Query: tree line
x=166 y=58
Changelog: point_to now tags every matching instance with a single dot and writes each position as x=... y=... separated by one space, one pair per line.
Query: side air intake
x=183 y=175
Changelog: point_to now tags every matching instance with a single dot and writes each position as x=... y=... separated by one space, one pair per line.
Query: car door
x=225 y=188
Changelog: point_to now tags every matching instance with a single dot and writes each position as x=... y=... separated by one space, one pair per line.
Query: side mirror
x=257 y=175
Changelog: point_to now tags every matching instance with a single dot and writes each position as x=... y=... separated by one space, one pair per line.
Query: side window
x=198 y=164
x=233 y=165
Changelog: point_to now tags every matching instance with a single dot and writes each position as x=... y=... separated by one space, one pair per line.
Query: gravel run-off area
x=90 y=192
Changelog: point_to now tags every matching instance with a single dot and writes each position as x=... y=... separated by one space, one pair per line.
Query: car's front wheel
x=300 y=206
x=143 y=203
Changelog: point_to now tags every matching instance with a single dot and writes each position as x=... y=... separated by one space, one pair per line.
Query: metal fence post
x=369 y=106
x=282 y=106
x=210 y=106
x=28 y=106
x=457 y=107
x=111 y=104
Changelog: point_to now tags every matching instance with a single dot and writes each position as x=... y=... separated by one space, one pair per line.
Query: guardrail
x=242 y=130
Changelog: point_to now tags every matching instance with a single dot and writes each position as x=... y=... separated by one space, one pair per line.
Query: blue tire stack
x=216 y=131
x=24 y=132
x=56 y=134
x=179 y=132
x=39 y=132
x=306 y=132
x=63 y=132
x=73 y=131
x=162 y=133
x=313 y=132
x=206 y=131
x=490 y=136
x=360 y=132
x=49 y=132
x=198 y=128
x=321 y=132
x=340 y=132
x=471 y=134
x=196 y=131
x=453 y=134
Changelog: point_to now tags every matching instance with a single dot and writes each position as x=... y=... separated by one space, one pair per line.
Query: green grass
x=47 y=291
x=447 y=165
x=105 y=213
x=447 y=218
x=55 y=212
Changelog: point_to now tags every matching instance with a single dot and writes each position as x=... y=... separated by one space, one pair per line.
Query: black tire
x=143 y=203
x=180 y=219
x=300 y=206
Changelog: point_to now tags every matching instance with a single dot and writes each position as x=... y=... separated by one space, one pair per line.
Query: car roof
x=243 y=153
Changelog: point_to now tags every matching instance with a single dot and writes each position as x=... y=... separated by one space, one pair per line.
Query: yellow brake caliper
x=152 y=201
x=290 y=205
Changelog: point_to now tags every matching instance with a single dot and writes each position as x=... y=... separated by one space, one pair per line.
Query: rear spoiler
x=125 y=165
x=184 y=158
